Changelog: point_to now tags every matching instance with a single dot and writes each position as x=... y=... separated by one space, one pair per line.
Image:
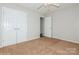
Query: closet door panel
x=14 y=28
x=9 y=25
x=21 y=26
x=0 y=27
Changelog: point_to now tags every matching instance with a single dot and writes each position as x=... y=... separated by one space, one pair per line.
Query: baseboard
x=67 y=40
x=33 y=38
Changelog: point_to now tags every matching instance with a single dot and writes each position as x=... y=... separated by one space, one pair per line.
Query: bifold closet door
x=9 y=25
x=21 y=27
x=14 y=29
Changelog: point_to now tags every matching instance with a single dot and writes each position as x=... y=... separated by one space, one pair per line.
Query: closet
x=13 y=26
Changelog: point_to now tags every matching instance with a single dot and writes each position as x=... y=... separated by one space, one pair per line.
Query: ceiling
x=34 y=6
x=43 y=10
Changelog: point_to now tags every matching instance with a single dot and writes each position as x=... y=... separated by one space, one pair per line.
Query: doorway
x=41 y=26
x=46 y=26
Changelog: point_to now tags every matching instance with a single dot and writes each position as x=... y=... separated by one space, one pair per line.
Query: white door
x=21 y=27
x=14 y=26
x=47 y=27
x=8 y=25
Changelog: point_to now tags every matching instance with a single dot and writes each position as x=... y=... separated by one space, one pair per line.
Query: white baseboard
x=73 y=41
x=32 y=38
x=21 y=41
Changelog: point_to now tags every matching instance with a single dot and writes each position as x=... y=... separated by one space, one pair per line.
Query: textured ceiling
x=43 y=10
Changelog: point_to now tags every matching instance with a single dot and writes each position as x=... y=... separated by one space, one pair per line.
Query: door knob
x=16 y=28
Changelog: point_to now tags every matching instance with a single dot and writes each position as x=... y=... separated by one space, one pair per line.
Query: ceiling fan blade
x=40 y=6
x=56 y=5
x=47 y=5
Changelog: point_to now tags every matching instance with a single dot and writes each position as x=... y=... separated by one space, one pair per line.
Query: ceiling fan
x=46 y=5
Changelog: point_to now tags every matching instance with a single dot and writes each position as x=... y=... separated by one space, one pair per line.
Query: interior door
x=21 y=29
x=14 y=26
x=47 y=27
x=8 y=28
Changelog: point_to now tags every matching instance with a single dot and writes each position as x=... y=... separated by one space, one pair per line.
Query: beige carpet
x=42 y=46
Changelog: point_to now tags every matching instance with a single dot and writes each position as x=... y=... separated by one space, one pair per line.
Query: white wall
x=66 y=24
x=33 y=19
x=33 y=25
